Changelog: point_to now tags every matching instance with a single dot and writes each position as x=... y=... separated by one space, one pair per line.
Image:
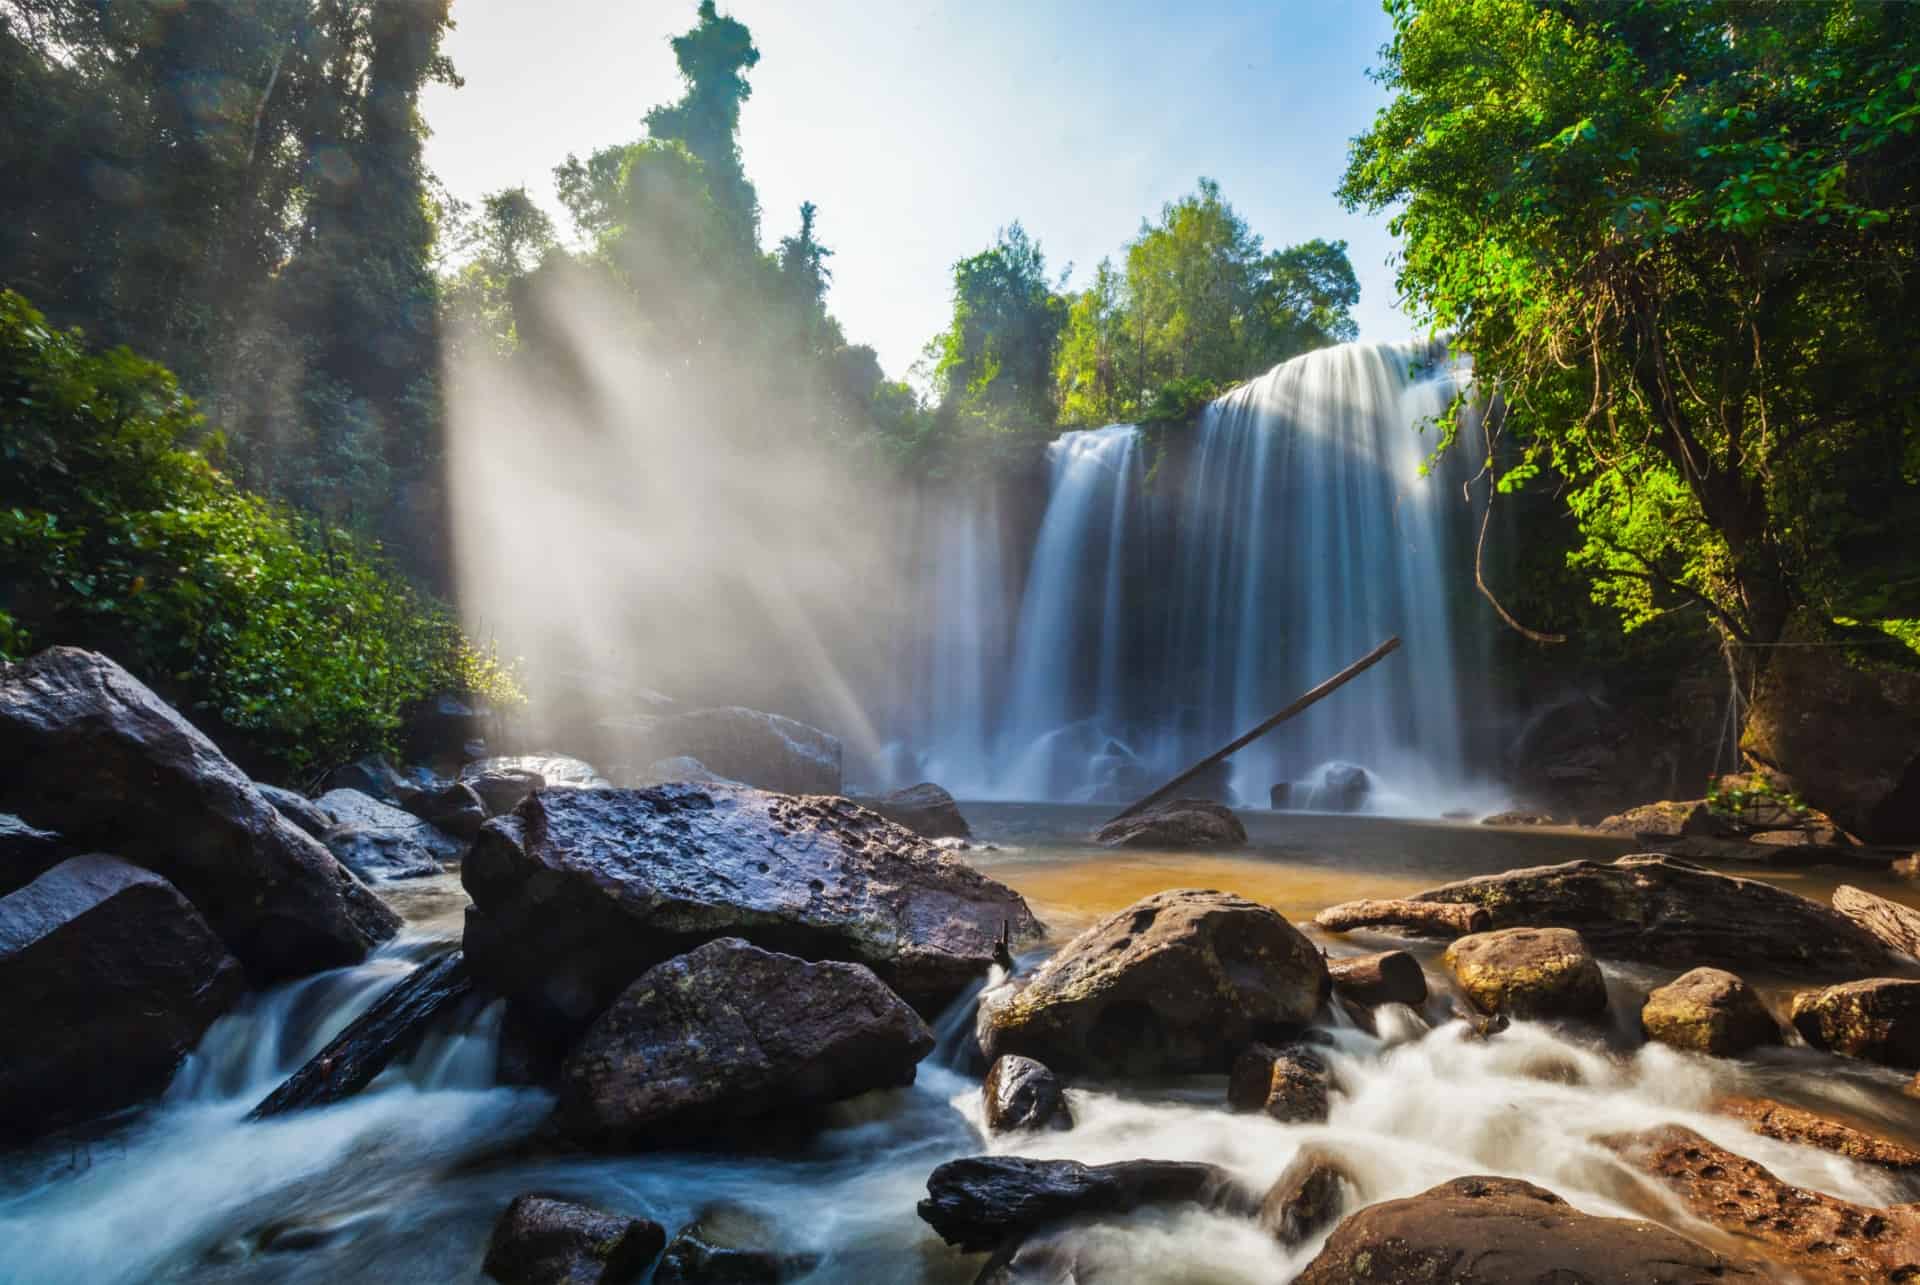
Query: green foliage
x=115 y=534
x=993 y=364
x=1733 y=796
x=714 y=57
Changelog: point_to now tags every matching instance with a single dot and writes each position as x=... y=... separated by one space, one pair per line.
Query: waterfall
x=967 y=580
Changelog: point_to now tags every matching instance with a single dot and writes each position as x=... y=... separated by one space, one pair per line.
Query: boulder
x=730 y=1033
x=88 y=750
x=1502 y=1231
x=1182 y=823
x=502 y=790
x=1666 y=820
x=556 y=770
x=440 y=727
x=1529 y=973
x=454 y=809
x=1411 y=918
x=1340 y=787
x=297 y=808
x=679 y=768
x=378 y=841
x=580 y=891
x=1022 y=1094
x=108 y=978
x=983 y=1202
x=1894 y=924
x=1280 y=796
x=1518 y=817
x=1809 y=1234
x=1657 y=910
x=1290 y=1084
x=26 y=853
x=1389 y=977
x=925 y=809
x=1306 y=1198
x=1709 y=1010
x=1787 y=1123
x=763 y=750
x=542 y=1240
x=729 y=1245
x=373 y=776
x=1181 y=981
x=1877 y=1019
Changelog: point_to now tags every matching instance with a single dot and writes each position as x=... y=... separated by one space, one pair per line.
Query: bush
x=117 y=533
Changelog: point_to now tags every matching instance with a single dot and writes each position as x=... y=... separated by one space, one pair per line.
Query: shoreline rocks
x=1529 y=973
x=1181 y=823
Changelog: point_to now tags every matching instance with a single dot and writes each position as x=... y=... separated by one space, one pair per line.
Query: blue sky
x=921 y=127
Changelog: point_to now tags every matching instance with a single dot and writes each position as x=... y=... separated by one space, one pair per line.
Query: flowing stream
x=402 y=1183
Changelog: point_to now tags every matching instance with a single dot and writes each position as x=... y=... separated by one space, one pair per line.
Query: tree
x=995 y=361
x=714 y=58
x=1678 y=238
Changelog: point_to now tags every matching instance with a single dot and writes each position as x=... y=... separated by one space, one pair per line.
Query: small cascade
x=967 y=579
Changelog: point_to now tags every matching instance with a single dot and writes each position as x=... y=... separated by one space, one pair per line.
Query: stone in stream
x=26 y=853
x=378 y=841
x=1817 y=1236
x=730 y=1033
x=1529 y=973
x=983 y=1202
x=391 y=1027
x=925 y=809
x=1180 y=981
x=108 y=978
x=1709 y=1010
x=374 y=776
x=1306 y=1198
x=1877 y=1020
x=1657 y=910
x=1290 y=1084
x=580 y=891
x=1896 y=925
x=1181 y=823
x=88 y=750
x=543 y=1240
x=1786 y=1123
x=1022 y=1094
x=1502 y=1231
x=1413 y=918
x=1389 y=977
x=560 y=771
x=729 y=1245
x=455 y=808
x=503 y=789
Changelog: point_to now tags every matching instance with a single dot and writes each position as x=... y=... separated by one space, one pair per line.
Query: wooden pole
x=1240 y=742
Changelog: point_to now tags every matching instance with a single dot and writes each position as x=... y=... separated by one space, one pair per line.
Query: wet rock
x=378 y=841
x=1877 y=1020
x=982 y=1202
x=26 y=853
x=503 y=790
x=373 y=776
x=1820 y=1237
x=1502 y=1231
x=1657 y=910
x=1519 y=817
x=1529 y=973
x=1342 y=787
x=628 y=878
x=1787 y=1123
x=297 y=808
x=679 y=768
x=1022 y=1094
x=439 y=728
x=1896 y=925
x=541 y=1240
x=763 y=750
x=1709 y=1010
x=454 y=809
x=1183 y=823
x=1411 y=918
x=1181 y=981
x=1666 y=820
x=729 y=1033
x=925 y=809
x=1306 y=1198
x=561 y=771
x=108 y=977
x=1280 y=796
x=1290 y=1083
x=729 y=1245
x=1389 y=977
x=89 y=751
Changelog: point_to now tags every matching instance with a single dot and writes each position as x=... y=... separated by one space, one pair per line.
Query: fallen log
x=371 y=1041
x=1896 y=925
x=1416 y=918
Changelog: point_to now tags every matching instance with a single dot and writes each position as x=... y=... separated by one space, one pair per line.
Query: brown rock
x=1896 y=925
x=925 y=809
x=1182 y=823
x=1501 y=1231
x=1529 y=973
x=1020 y=1093
x=540 y=1240
x=1665 y=820
x=1181 y=981
x=1414 y=918
x=1877 y=1019
x=1291 y=1084
x=1794 y=1124
x=1390 y=977
x=1306 y=1198
x=1709 y=1010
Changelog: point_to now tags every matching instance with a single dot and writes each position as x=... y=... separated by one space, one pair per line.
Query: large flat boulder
x=108 y=977
x=730 y=1033
x=1180 y=981
x=580 y=891
x=88 y=750
x=767 y=751
x=1655 y=909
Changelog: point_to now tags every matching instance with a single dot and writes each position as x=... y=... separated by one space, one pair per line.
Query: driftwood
x=393 y=1025
x=1391 y=977
x=1245 y=739
x=1891 y=922
x=1417 y=918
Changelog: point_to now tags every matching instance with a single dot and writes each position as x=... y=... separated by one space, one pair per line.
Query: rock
x=1519 y=817
x=983 y=1202
x=1877 y=1020
x=1181 y=981
x=1022 y=1094
x=87 y=750
x=1291 y=1083
x=1657 y=910
x=26 y=853
x=455 y=809
x=1529 y=973
x=1306 y=1198
x=297 y=808
x=628 y=878
x=1414 y=918
x=1502 y=1231
x=374 y=777
x=503 y=790
x=1666 y=820
x=1844 y=738
x=1390 y=977
x=1280 y=796
x=1907 y=868
x=541 y=1240
x=1342 y=787
x=1817 y=1236
x=1183 y=823
x=729 y=1033
x=680 y=768
x=729 y=1245
x=108 y=978
x=1709 y=1010
x=378 y=841
x=556 y=770
x=925 y=809
x=438 y=728
x=1896 y=925
x=763 y=750
x=1786 y=1123
x=391 y=1028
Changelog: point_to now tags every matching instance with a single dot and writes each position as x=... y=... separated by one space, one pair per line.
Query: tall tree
x=714 y=58
x=995 y=361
